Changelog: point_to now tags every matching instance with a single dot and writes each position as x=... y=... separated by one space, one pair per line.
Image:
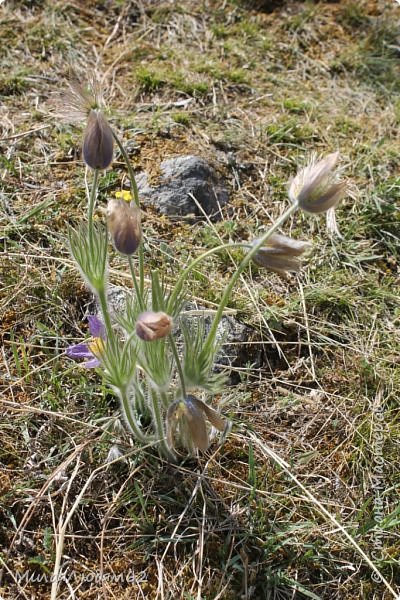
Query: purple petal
x=96 y=327
x=92 y=364
x=78 y=351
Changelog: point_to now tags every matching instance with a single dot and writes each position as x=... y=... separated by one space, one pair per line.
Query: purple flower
x=91 y=349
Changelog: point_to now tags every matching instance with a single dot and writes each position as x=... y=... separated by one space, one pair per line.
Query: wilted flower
x=152 y=326
x=190 y=416
x=280 y=254
x=98 y=141
x=316 y=188
x=91 y=349
x=123 y=222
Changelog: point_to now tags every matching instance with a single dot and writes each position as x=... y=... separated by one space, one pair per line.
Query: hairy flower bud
x=152 y=326
x=280 y=254
x=316 y=188
x=98 y=141
x=123 y=221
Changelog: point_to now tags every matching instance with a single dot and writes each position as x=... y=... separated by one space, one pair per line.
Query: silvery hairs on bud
x=83 y=91
x=280 y=254
x=98 y=141
x=123 y=221
x=317 y=187
x=152 y=326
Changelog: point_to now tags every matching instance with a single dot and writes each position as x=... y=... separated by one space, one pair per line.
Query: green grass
x=181 y=118
x=154 y=79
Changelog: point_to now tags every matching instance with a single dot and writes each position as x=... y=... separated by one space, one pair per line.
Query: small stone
x=184 y=180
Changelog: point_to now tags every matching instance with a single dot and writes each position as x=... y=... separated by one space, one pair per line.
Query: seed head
x=152 y=326
x=280 y=254
x=98 y=141
x=113 y=454
x=74 y=103
x=123 y=222
x=317 y=188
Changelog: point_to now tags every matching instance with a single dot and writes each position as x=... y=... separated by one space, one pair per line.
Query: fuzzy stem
x=130 y=419
x=246 y=260
x=165 y=400
x=159 y=427
x=130 y=170
x=138 y=291
x=178 y=364
x=137 y=202
x=92 y=201
x=181 y=280
x=101 y=294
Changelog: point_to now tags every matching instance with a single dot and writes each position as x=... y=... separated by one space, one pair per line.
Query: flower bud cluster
x=152 y=380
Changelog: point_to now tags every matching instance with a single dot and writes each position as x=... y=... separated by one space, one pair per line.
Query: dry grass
x=285 y=509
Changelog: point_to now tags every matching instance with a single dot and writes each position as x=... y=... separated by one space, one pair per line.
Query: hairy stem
x=182 y=277
x=92 y=202
x=178 y=364
x=139 y=292
x=165 y=400
x=246 y=260
x=130 y=418
x=137 y=202
x=160 y=427
x=130 y=169
x=101 y=294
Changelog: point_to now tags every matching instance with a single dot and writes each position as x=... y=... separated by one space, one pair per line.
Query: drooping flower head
x=189 y=416
x=123 y=221
x=280 y=254
x=317 y=187
x=92 y=349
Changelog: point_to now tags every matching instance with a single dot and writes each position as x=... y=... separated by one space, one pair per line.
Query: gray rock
x=183 y=179
x=239 y=347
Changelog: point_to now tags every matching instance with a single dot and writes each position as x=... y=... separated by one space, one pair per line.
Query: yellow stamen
x=180 y=410
x=97 y=346
x=124 y=195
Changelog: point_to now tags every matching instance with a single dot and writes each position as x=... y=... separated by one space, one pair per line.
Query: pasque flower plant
x=158 y=382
